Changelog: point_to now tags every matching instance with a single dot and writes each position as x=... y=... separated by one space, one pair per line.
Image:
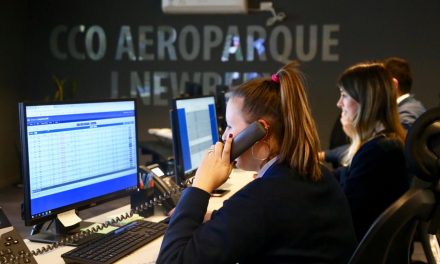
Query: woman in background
x=293 y=212
x=375 y=173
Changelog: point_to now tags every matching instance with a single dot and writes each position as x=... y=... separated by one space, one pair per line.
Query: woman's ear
x=265 y=125
x=396 y=86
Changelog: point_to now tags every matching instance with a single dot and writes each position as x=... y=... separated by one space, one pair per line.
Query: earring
x=256 y=156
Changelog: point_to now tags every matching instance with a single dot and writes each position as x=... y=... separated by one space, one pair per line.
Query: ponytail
x=300 y=142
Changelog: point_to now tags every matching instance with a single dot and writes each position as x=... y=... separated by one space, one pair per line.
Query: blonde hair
x=285 y=106
x=371 y=85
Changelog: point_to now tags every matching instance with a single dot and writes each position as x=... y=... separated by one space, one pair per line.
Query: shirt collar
x=266 y=167
x=402 y=97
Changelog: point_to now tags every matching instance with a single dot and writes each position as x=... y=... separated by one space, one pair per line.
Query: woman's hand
x=347 y=125
x=215 y=167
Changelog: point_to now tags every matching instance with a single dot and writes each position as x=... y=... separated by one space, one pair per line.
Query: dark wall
x=13 y=27
x=98 y=49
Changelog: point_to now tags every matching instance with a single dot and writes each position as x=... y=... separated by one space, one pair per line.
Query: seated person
x=408 y=107
x=293 y=212
x=375 y=174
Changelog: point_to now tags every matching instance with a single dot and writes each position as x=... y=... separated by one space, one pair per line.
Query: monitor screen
x=194 y=128
x=75 y=155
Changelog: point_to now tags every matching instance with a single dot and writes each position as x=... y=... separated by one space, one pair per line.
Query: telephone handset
x=12 y=247
x=246 y=138
x=163 y=186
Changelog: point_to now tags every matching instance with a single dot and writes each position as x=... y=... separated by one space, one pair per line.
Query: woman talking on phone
x=294 y=211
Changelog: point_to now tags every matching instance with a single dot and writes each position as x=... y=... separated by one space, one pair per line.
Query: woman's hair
x=283 y=103
x=371 y=85
x=400 y=69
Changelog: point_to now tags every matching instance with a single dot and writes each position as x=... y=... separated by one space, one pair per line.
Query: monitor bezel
x=180 y=176
x=26 y=206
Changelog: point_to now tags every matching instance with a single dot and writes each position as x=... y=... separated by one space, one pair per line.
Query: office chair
x=390 y=237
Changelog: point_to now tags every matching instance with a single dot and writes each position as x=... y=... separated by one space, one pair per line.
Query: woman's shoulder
x=288 y=181
x=381 y=149
x=282 y=169
x=382 y=143
x=282 y=172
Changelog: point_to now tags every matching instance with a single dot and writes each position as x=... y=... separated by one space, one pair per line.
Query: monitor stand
x=58 y=232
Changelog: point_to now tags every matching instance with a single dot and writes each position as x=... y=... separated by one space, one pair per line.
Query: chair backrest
x=422 y=147
x=389 y=238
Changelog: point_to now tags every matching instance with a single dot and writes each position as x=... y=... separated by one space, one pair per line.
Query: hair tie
x=275 y=78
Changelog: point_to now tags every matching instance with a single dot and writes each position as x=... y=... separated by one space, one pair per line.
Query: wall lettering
x=165 y=43
x=204 y=44
x=78 y=42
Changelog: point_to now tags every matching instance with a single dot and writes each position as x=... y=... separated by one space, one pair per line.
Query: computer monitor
x=75 y=155
x=194 y=129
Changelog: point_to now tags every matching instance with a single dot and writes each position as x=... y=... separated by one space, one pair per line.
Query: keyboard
x=84 y=239
x=116 y=244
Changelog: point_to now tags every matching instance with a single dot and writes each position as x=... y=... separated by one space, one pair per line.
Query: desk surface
x=149 y=252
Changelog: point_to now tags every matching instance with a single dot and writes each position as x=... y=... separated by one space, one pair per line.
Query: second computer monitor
x=195 y=129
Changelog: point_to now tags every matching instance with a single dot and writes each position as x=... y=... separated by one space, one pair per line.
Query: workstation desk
x=149 y=252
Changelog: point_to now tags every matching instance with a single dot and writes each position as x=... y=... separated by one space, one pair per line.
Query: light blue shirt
x=266 y=167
